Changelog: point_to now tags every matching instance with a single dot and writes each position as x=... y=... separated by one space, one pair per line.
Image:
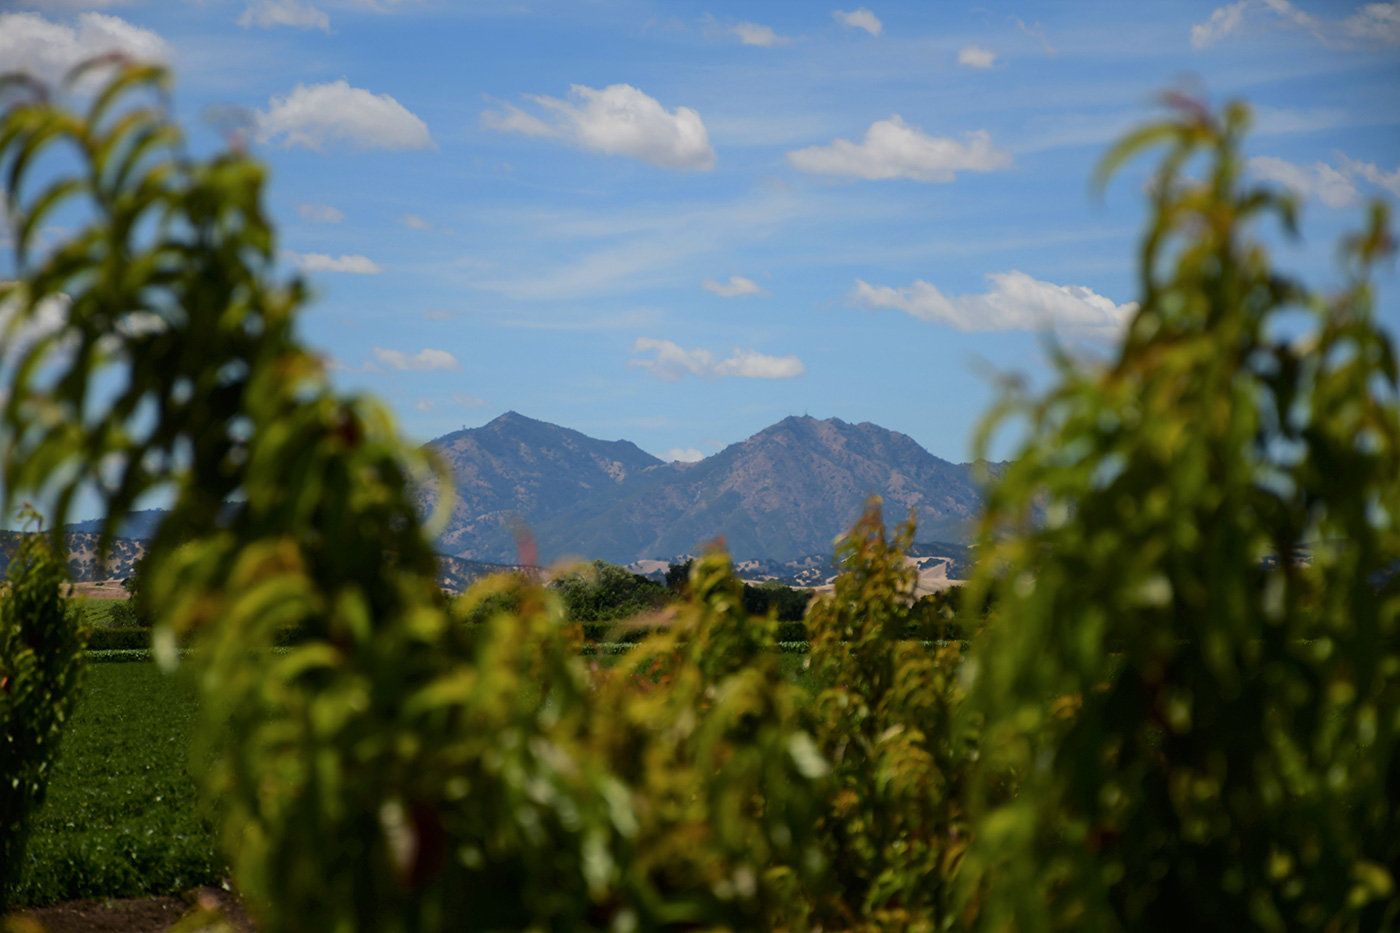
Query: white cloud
x=320 y=262
x=683 y=454
x=974 y=56
x=672 y=362
x=317 y=114
x=1375 y=22
x=424 y=404
x=71 y=6
x=1015 y=302
x=617 y=120
x=468 y=401
x=754 y=34
x=424 y=361
x=269 y=13
x=736 y=287
x=29 y=42
x=320 y=213
x=894 y=149
x=20 y=331
x=859 y=19
x=1390 y=181
x=414 y=222
x=1319 y=181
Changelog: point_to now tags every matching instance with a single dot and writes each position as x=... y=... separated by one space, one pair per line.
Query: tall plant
x=1194 y=670
x=40 y=674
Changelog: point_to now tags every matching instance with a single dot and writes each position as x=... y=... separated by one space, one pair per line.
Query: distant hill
x=779 y=499
x=783 y=494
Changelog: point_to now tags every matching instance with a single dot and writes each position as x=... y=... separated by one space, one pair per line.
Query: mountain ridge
x=787 y=491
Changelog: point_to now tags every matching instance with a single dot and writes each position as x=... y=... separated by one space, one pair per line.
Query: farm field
x=122 y=817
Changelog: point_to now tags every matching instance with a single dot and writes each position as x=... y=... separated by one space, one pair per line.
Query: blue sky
x=680 y=222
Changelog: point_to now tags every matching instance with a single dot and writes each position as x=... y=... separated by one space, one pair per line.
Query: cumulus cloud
x=1374 y=23
x=1015 y=302
x=617 y=120
x=269 y=13
x=320 y=213
x=894 y=149
x=29 y=42
x=424 y=361
x=1316 y=182
x=754 y=34
x=320 y=262
x=671 y=362
x=974 y=56
x=736 y=287
x=317 y=114
x=683 y=454
x=859 y=19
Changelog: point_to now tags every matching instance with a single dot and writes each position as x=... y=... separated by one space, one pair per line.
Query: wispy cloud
x=1390 y=181
x=616 y=120
x=1015 y=302
x=671 y=362
x=269 y=13
x=424 y=361
x=894 y=149
x=755 y=34
x=321 y=262
x=319 y=114
x=464 y=400
x=320 y=213
x=860 y=18
x=1371 y=24
x=414 y=222
x=736 y=287
x=1316 y=182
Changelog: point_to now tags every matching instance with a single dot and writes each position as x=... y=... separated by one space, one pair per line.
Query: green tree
x=40 y=674
x=1203 y=738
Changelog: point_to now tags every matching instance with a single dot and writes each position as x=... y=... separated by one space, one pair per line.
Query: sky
x=678 y=223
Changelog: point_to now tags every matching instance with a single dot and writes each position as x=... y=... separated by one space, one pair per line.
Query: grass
x=122 y=817
x=96 y=613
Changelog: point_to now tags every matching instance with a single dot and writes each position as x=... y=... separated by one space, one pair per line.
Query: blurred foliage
x=1204 y=738
x=893 y=824
x=40 y=673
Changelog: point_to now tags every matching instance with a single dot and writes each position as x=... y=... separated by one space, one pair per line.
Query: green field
x=122 y=817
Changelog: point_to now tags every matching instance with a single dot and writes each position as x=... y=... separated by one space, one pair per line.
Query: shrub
x=1203 y=738
x=40 y=671
x=118 y=639
x=893 y=825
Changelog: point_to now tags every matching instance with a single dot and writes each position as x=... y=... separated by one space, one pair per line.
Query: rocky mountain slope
x=785 y=493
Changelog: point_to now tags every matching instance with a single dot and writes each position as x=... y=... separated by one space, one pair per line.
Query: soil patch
x=137 y=915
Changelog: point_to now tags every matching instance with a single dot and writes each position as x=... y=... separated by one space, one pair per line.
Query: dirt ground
x=139 y=915
x=102 y=589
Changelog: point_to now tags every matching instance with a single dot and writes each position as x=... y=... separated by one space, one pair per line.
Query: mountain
x=784 y=493
x=516 y=468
